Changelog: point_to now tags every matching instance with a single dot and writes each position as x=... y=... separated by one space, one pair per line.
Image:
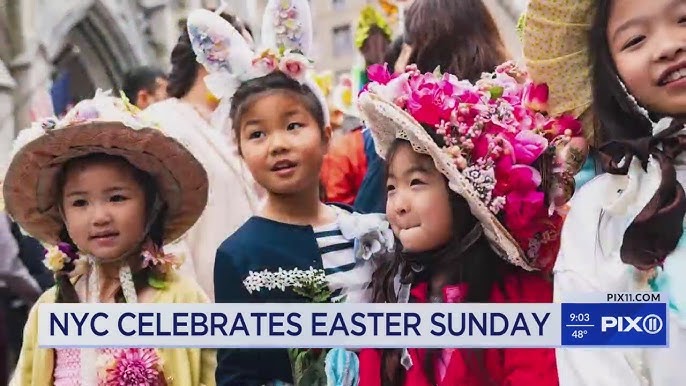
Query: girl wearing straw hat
x=107 y=190
x=474 y=212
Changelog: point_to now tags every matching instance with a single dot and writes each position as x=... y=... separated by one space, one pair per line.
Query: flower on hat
x=536 y=96
x=288 y=29
x=294 y=65
x=266 y=63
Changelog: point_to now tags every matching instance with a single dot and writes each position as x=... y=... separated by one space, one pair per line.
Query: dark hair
x=393 y=52
x=184 y=64
x=478 y=266
x=65 y=289
x=459 y=36
x=140 y=78
x=617 y=116
x=273 y=82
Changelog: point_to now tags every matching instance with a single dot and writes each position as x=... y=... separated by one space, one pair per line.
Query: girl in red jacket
x=472 y=211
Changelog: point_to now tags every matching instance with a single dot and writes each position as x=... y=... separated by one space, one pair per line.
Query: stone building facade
x=71 y=47
x=74 y=47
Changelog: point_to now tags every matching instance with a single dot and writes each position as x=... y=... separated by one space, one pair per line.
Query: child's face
x=104 y=208
x=282 y=144
x=647 y=41
x=418 y=205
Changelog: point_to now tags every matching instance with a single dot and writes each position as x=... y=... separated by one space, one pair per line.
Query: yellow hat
x=554 y=37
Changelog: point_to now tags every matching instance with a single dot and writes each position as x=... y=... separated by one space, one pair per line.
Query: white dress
x=233 y=196
x=589 y=261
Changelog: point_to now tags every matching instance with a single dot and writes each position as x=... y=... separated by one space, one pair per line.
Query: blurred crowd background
x=55 y=53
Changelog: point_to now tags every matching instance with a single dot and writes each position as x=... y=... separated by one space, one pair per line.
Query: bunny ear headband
x=287 y=35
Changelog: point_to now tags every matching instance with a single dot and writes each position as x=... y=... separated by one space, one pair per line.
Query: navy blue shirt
x=266 y=244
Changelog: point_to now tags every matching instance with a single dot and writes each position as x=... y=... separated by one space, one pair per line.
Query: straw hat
x=555 y=43
x=519 y=225
x=107 y=125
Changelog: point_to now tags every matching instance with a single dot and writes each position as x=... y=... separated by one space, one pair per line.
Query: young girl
x=107 y=189
x=625 y=228
x=463 y=192
x=282 y=132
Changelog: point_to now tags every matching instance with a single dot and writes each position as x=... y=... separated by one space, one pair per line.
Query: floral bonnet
x=511 y=161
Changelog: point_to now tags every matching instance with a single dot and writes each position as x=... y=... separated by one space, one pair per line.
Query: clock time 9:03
x=579 y=317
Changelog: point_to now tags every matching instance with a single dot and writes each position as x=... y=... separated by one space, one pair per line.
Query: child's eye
x=79 y=203
x=294 y=125
x=634 y=41
x=416 y=181
x=390 y=188
x=255 y=134
x=682 y=19
x=118 y=198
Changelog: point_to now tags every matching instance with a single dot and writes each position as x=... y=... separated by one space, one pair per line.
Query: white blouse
x=232 y=195
x=589 y=261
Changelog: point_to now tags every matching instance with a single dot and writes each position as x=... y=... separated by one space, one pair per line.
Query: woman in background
x=190 y=116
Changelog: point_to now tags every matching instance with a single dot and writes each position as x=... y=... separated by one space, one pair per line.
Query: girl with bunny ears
x=281 y=127
x=620 y=63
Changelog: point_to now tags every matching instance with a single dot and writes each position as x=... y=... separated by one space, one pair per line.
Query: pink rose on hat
x=294 y=65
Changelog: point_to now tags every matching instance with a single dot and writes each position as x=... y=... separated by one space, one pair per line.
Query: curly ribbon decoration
x=656 y=230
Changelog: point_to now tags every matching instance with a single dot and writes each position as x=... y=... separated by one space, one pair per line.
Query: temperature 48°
x=579 y=334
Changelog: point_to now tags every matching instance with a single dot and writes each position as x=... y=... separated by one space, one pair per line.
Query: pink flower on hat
x=522 y=207
x=536 y=96
x=379 y=73
x=431 y=100
x=528 y=146
x=266 y=63
x=294 y=65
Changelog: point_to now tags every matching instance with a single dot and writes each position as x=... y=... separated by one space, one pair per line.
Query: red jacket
x=505 y=367
x=344 y=168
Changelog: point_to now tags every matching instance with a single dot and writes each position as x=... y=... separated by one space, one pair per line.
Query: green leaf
x=322 y=298
x=496 y=92
x=156 y=282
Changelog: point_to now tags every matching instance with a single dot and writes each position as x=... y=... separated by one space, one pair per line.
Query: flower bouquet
x=311 y=367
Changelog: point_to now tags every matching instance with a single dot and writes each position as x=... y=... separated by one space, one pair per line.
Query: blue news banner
x=630 y=324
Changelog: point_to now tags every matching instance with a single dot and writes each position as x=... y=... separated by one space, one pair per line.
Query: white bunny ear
x=217 y=44
x=287 y=25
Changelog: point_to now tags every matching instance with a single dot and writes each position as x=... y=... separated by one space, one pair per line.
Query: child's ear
x=326 y=135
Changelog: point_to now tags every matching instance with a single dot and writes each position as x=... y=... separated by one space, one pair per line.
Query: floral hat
x=108 y=125
x=287 y=40
x=513 y=163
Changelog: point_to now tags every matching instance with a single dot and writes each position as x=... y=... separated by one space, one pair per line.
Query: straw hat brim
x=30 y=186
x=388 y=122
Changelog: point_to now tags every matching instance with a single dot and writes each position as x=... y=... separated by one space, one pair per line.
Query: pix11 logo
x=650 y=324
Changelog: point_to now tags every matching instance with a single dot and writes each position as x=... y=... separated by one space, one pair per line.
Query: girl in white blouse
x=624 y=231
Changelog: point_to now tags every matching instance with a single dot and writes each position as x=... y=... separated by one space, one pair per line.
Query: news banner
x=599 y=320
